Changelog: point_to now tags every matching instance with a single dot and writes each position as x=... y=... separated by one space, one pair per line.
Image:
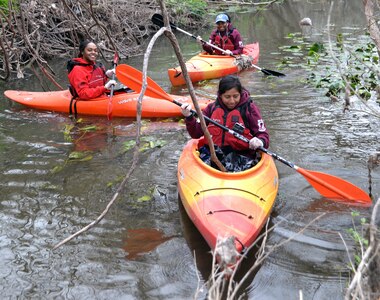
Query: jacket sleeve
x=79 y=80
x=238 y=43
x=193 y=127
x=257 y=125
x=207 y=48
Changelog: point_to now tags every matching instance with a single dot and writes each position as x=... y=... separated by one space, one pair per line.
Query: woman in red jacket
x=87 y=78
x=235 y=109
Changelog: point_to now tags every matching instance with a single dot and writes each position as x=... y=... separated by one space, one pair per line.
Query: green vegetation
x=71 y=129
x=146 y=144
x=193 y=9
x=358 y=236
x=352 y=61
x=3 y=3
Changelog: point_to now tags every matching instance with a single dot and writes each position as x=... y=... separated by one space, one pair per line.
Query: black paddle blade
x=272 y=73
x=158 y=20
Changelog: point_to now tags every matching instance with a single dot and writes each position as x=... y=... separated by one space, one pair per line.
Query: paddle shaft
x=114 y=64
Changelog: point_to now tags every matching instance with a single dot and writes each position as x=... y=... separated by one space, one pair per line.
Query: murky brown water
x=144 y=248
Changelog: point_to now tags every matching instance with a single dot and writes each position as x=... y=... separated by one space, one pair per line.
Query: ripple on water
x=314 y=260
x=273 y=280
x=317 y=251
x=176 y=279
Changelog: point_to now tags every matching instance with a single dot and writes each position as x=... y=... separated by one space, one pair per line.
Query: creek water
x=144 y=248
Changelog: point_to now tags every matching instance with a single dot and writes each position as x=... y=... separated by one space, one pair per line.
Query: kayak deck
x=205 y=66
x=226 y=204
x=123 y=104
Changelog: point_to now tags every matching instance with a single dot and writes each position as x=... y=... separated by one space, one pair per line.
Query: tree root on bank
x=33 y=32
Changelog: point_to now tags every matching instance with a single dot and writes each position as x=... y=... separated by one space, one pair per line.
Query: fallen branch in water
x=115 y=196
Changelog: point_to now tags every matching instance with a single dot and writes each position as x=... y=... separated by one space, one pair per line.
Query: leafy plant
x=70 y=129
x=194 y=9
x=4 y=5
x=146 y=144
x=358 y=236
x=354 y=61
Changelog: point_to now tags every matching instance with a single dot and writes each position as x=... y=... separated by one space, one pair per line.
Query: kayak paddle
x=114 y=64
x=327 y=185
x=157 y=19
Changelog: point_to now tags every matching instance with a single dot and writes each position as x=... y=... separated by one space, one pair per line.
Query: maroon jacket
x=253 y=118
x=234 y=36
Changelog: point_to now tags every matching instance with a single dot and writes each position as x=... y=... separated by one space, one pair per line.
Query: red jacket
x=88 y=81
x=255 y=123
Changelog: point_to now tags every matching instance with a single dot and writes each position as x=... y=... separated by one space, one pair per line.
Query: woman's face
x=90 y=53
x=230 y=98
x=222 y=26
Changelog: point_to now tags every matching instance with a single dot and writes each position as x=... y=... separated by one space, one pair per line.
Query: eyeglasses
x=220 y=23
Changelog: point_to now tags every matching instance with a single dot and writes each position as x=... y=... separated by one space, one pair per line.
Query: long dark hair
x=82 y=46
x=229 y=82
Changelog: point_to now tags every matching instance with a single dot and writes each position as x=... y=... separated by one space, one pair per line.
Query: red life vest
x=223 y=42
x=222 y=138
x=98 y=77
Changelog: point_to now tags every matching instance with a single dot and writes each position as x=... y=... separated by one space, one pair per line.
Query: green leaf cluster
x=353 y=60
x=358 y=236
x=146 y=144
x=195 y=9
x=3 y=3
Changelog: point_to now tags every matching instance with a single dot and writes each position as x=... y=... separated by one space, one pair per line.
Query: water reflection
x=142 y=240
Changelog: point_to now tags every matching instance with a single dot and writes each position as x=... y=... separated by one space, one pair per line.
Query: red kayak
x=123 y=104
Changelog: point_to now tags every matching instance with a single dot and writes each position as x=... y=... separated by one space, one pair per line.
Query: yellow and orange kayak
x=224 y=204
x=123 y=104
x=205 y=66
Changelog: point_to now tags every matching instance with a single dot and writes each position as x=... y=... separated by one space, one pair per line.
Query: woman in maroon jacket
x=225 y=36
x=87 y=78
x=234 y=109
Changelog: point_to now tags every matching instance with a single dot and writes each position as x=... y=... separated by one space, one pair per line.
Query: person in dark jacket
x=225 y=36
x=233 y=105
x=87 y=78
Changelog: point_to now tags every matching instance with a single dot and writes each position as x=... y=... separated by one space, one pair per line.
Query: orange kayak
x=205 y=66
x=123 y=104
x=226 y=204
